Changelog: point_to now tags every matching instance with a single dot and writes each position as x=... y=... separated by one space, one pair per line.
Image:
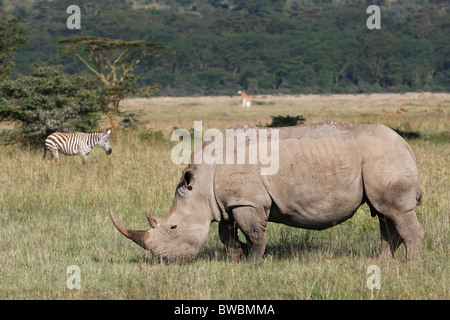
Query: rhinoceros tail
x=419 y=197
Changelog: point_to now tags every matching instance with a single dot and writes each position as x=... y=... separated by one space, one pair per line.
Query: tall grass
x=54 y=216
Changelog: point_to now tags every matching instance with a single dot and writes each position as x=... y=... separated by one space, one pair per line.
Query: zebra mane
x=95 y=131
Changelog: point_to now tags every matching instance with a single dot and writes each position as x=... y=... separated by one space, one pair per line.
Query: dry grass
x=52 y=217
x=221 y=112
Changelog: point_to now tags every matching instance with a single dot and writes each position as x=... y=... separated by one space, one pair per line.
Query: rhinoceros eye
x=173 y=227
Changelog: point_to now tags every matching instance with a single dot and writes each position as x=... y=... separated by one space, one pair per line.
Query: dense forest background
x=262 y=46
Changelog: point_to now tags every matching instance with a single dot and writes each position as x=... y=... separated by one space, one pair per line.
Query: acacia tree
x=112 y=61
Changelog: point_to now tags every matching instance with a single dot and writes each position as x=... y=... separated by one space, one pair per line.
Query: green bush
x=151 y=136
x=48 y=101
x=287 y=121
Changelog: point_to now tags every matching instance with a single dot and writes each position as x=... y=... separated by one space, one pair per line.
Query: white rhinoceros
x=326 y=172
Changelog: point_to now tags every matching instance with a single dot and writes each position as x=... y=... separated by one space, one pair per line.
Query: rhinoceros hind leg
x=401 y=228
x=411 y=232
x=253 y=225
x=390 y=238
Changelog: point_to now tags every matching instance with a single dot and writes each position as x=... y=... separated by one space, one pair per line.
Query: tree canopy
x=47 y=101
x=112 y=61
x=12 y=37
x=264 y=46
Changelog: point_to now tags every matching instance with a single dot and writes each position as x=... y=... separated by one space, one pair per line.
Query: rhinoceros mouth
x=179 y=256
x=169 y=259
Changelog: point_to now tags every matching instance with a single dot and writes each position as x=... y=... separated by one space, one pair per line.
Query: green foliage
x=112 y=61
x=151 y=136
x=48 y=101
x=109 y=59
x=264 y=46
x=12 y=37
x=286 y=121
x=407 y=134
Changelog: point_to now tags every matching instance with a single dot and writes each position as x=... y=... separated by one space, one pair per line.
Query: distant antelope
x=401 y=110
x=246 y=100
x=440 y=109
x=76 y=143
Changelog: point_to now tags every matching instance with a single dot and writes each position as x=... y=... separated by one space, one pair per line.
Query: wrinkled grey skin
x=326 y=172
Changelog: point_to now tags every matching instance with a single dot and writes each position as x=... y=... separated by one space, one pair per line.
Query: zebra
x=76 y=143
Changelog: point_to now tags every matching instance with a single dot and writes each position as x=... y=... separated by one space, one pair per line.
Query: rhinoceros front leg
x=228 y=234
x=253 y=224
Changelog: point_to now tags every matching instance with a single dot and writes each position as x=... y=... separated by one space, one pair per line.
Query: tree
x=112 y=61
x=295 y=46
x=48 y=101
x=11 y=38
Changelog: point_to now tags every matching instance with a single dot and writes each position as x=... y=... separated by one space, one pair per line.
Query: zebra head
x=105 y=142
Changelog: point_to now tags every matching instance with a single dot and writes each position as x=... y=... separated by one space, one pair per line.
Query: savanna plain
x=55 y=216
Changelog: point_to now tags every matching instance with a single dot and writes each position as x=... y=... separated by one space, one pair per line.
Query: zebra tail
x=45 y=151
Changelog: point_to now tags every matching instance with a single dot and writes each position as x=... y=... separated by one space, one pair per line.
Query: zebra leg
x=84 y=157
x=54 y=155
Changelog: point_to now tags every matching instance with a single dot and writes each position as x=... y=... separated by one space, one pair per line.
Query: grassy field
x=52 y=217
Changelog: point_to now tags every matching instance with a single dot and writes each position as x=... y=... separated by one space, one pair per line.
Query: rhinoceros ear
x=188 y=178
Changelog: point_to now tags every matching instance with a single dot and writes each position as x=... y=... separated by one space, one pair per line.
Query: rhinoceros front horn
x=138 y=236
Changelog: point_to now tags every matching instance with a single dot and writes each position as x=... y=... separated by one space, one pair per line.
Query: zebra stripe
x=76 y=143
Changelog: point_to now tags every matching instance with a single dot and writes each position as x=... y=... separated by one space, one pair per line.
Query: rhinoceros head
x=181 y=233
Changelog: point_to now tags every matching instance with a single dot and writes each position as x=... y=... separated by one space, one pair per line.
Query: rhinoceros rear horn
x=154 y=221
x=138 y=236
